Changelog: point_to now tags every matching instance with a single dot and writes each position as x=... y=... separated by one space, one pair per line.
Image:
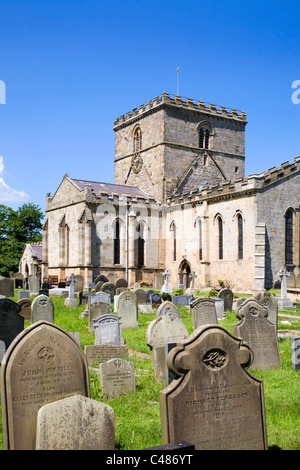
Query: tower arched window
x=205 y=131
x=137 y=139
x=289 y=240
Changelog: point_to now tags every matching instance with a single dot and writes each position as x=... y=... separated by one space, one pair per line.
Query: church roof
x=110 y=188
x=37 y=251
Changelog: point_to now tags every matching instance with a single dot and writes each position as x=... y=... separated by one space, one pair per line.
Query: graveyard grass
x=137 y=415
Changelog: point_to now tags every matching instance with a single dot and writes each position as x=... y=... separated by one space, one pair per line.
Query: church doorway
x=185 y=274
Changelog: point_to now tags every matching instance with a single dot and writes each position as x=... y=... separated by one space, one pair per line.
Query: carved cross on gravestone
x=180 y=274
x=72 y=279
x=166 y=275
x=283 y=274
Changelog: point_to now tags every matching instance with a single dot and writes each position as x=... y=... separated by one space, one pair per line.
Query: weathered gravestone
x=100 y=297
x=108 y=330
x=75 y=423
x=219 y=306
x=269 y=301
x=160 y=331
x=96 y=354
x=96 y=309
x=121 y=282
x=155 y=300
x=168 y=309
x=98 y=286
x=7 y=286
x=141 y=296
x=226 y=295
x=11 y=322
x=256 y=330
x=110 y=289
x=42 y=308
x=119 y=290
x=127 y=309
x=148 y=295
x=71 y=301
x=101 y=278
x=284 y=302
x=167 y=288
x=182 y=299
x=78 y=286
x=158 y=281
x=296 y=352
x=42 y=365
x=24 y=294
x=2 y=350
x=25 y=305
x=117 y=377
x=215 y=403
x=34 y=284
x=203 y=312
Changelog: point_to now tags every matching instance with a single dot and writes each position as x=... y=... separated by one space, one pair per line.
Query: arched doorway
x=185 y=273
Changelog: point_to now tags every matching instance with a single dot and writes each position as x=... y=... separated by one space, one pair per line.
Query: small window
x=205 y=134
x=240 y=236
x=137 y=140
x=220 y=230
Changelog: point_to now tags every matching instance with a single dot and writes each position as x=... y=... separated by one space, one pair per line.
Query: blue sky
x=69 y=68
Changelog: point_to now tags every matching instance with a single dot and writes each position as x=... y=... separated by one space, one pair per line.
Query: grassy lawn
x=137 y=415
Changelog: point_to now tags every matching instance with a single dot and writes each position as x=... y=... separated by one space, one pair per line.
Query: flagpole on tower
x=177 y=71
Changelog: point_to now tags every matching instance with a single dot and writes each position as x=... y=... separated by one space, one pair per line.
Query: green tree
x=16 y=229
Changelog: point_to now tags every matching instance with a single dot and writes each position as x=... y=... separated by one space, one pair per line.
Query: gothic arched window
x=220 y=236
x=137 y=139
x=173 y=229
x=240 y=236
x=117 y=243
x=140 y=245
x=289 y=240
x=205 y=131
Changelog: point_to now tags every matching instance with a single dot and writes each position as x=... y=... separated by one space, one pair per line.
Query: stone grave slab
x=117 y=377
x=162 y=330
x=148 y=295
x=167 y=308
x=121 y=282
x=101 y=297
x=110 y=289
x=203 y=312
x=75 y=423
x=42 y=365
x=219 y=306
x=214 y=403
x=25 y=305
x=296 y=352
x=42 y=308
x=141 y=296
x=145 y=308
x=156 y=300
x=34 y=285
x=11 y=322
x=127 y=309
x=227 y=295
x=269 y=301
x=7 y=286
x=96 y=354
x=2 y=349
x=79 y=284
x=96 y=309
x=182 y=299
x=256 y=330
x=108 y=330
x=24 y=294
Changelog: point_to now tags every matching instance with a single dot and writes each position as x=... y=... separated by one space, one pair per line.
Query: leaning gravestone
x=110 y=289
x=117 y=377
x=42 y=365
x=25 y=305
x=11 y=322
x=42 y=308
x=96 y=309
x=160 y=331
x=227 y=295
x=127 y=309
x=34 y=285
x=168 y=309
x=296 y=352
x=215 y=403
x=256 y=330
x=269 y=301
x=75 y=423
x=203 y=312
x=6 y=287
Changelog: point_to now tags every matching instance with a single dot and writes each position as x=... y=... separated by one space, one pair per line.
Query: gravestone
x=155 y=300
x=145 y=308
x=117 y=377
x=226 y=295
x=120 y=289
x=219 y=306
x=160 y=331
x=75 y=423
x=100 y=297
x=127 y=309
x=141 y=296
x=25 y=305
x=148 y=295
x=24 y=294
x=167 y=288
x=96 y=309
x=42 y=308
x=203 y=312
x=34 y=285
x=110 y=289
x=98 y=286
x=42 y=365
x=284 y=302
x=256 y=330
x=108 y=330
x=158 y=281
x=121 y=282
x=169 y=309
x=296 y=352
x=96 y=354
x=101 y=278
x=269 y=301
x=182 y=299
x=44 y=292
x=215 y=403
x=2 y=350
x=169 y=375
x=71 y=301
x=78 y=286
x=6 y=286
x=11 y=322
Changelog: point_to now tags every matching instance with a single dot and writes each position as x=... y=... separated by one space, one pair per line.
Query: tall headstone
x=168 y=309
x=75 y=423
x=42 y=365
x=141 y=296
x=158 y=281
x=167 y=288
x=296 y=352
x=42 y=308
x=34 y=285
x=269 y=301
x=284 y=302
x=203 y=312
x=7 y=286
x=256 y=330
x=226 y=295
x=127 y=309
x=110 y=289
x=117 y=377
x=11 y=322
x=71 y=301
x=96 y=309
x=78 y=286
x=162 y=330
x=215 y=403
x=108 y=330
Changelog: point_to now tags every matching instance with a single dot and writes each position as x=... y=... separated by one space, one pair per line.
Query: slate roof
x=110 y=188
x=37 y=251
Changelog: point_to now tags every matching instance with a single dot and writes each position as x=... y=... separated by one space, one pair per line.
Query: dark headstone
x=11 y=322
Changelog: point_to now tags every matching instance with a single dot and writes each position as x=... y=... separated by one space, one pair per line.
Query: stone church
x=180 y=201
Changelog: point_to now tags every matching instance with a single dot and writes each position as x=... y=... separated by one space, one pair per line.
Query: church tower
x=172 y=145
